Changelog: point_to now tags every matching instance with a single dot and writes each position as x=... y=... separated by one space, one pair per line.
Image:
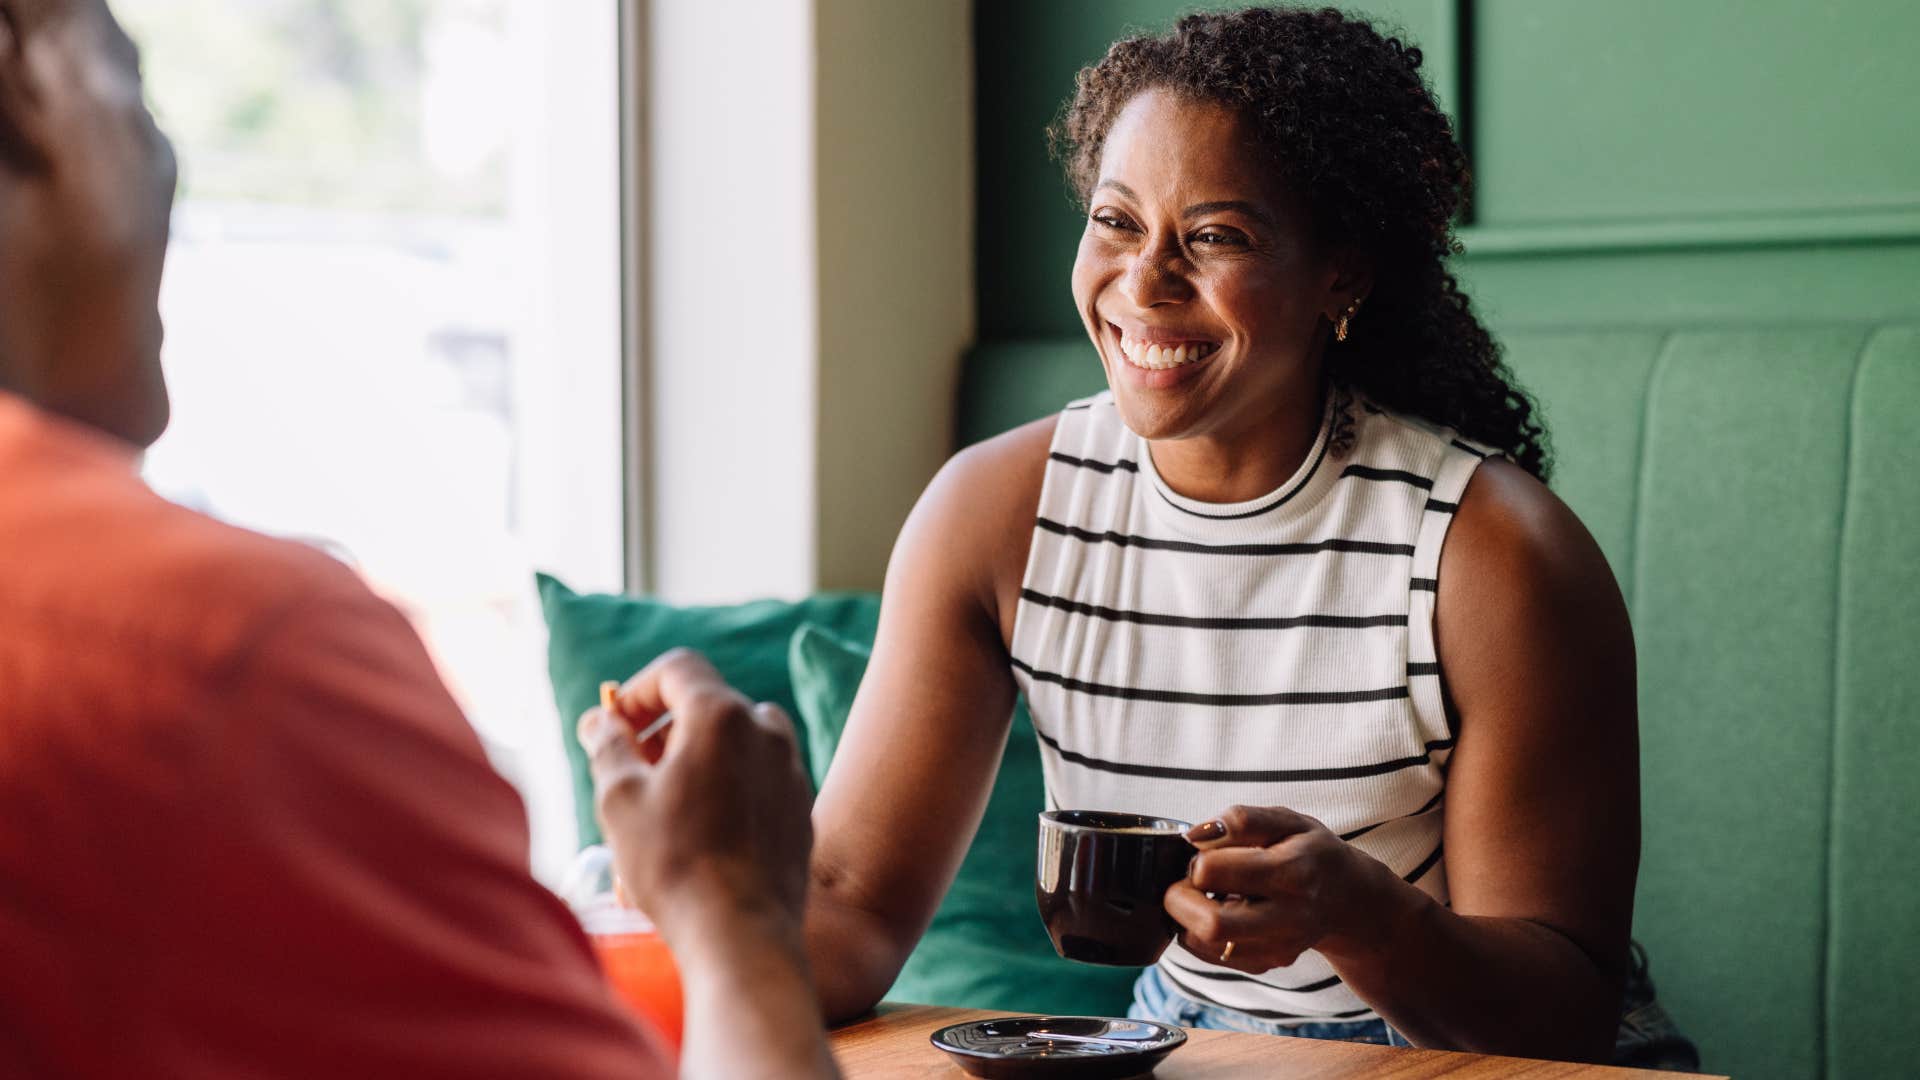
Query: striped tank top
x=1179 y=657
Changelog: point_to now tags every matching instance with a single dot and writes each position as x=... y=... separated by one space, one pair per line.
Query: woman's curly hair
x=1343 y=115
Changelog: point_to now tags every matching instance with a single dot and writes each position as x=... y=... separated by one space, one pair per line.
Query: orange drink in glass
x=635 y=959
x=639 y=966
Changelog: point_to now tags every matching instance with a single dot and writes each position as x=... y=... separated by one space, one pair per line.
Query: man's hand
x=710 y=833
x=711 y=816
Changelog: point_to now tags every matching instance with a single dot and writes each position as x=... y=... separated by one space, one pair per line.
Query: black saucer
x=1014 y=1047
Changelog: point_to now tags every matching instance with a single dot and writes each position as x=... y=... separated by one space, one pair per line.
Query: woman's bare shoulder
x=1002 y=475
x=1511 y=526
x=1528 y=607
x=974 y=522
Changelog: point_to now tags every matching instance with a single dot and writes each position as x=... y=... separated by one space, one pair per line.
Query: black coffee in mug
x=1101 y=880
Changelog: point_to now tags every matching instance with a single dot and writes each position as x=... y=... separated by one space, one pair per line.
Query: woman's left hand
x=1285 y=881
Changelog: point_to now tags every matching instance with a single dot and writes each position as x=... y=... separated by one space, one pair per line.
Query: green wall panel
x=1009 y=383
x=1873 y=996
x=1739 y=522
x=1683 y=286
x=1653 y=109
x=1028 y=53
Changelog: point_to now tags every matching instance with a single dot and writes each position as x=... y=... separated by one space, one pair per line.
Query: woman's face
x=1198 y=278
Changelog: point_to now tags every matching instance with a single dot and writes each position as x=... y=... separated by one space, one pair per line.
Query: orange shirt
x=244 y=830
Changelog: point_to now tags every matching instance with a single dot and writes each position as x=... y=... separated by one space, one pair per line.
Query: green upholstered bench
x=1758 y=494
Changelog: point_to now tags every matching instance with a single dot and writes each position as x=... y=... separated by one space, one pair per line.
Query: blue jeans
x=1154 y=998
x=1648 y=1037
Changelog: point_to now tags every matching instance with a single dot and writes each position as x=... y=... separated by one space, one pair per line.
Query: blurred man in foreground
x=247 y=831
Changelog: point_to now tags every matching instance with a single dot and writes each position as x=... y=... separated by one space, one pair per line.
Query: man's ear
x=22 y=132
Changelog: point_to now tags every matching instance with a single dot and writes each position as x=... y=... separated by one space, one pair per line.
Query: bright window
x=393 y=313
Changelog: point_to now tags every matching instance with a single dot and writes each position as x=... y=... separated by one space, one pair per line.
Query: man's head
x=86 y=190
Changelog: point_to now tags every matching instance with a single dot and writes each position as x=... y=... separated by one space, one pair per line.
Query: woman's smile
x=1158 y=350
x=1156 y=359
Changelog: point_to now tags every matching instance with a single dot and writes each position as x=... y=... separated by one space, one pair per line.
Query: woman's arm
x=1542 y=811
x=911 y=778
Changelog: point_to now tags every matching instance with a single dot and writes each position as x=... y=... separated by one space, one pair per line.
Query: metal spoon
x=1050 y=1036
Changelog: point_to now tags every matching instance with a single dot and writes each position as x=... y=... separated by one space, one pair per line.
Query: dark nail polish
x=1207 y=830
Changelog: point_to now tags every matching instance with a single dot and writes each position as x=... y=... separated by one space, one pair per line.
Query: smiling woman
x=1294 y=576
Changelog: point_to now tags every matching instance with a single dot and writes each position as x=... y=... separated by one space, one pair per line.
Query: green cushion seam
x=1636 y=532
x=1829 y=946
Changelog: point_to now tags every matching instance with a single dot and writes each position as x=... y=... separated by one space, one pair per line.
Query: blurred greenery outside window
x=392 y=303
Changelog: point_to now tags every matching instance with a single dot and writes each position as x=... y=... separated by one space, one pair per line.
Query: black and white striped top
x=1180 y=657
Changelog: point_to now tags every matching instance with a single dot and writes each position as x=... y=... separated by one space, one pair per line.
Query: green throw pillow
x=986 y=947
x=592 y=638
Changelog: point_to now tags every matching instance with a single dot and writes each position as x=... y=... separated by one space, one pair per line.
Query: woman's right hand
x=711 y=817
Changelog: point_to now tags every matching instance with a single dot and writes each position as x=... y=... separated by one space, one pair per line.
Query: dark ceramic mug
x=1102 y=876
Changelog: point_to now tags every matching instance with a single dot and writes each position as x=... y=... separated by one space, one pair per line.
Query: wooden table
x=893 y=1042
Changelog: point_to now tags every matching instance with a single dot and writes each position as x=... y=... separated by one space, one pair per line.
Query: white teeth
x=1158 y=357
